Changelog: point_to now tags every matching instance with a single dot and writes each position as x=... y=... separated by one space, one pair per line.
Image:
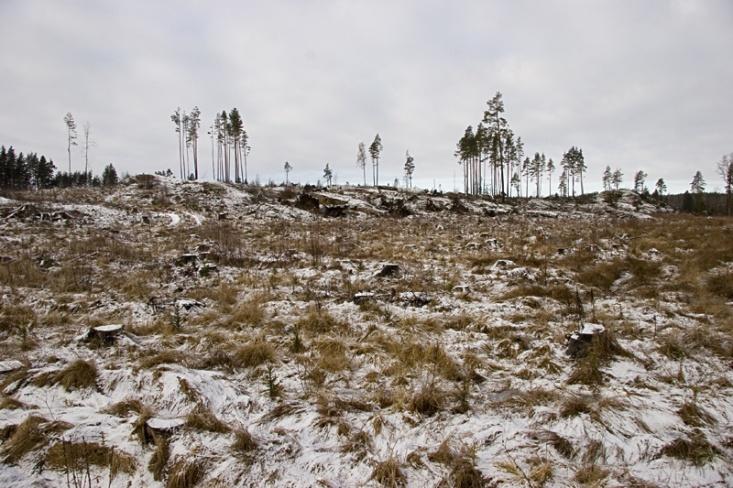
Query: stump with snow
x=579 y=342
x=106 y=334
x=156 y=427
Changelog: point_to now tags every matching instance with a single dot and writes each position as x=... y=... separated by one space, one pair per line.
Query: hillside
x=161 y=333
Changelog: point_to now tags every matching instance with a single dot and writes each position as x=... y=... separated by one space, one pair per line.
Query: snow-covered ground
x=347 y=350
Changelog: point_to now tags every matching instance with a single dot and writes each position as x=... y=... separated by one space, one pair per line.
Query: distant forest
x=29 y=171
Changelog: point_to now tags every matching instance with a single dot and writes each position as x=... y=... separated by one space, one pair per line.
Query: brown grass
x=253 y=354
x=389 y=473
x=427 y=399
x=590 y=475
x=77 y=375
x=125 y=407
x=168 y=356
x=695 y=449
x=76 y=456
x=695 y=416
x=32 y=433
x=202 y=418
x=159 y=459
x=244 y=442
x=186 y=474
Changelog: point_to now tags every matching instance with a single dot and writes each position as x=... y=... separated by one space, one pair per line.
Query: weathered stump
x=388 y=270
x=579 y=342
x=105 y=334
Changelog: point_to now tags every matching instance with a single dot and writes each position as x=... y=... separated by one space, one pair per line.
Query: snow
x=512 y=340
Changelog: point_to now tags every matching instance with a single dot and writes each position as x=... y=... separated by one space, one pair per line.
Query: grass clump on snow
x=389 y=473
x=186 y=474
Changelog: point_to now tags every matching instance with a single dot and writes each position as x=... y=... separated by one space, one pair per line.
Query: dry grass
x=125 y=407
x=244 y=442
x=428 y=399
x=319 y=321
x=159 y=459
x=168 y=356
x=202 y=418
x=77 y=375
x=32 y=433
x=695 y=416
x=76 y=456
x=695 y=449
x=186 y=474
x=253 y=354
x=389 y=473
x=590 y=475
x=250 y=312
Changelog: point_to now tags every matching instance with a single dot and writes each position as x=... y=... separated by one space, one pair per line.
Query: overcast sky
x=637 y=84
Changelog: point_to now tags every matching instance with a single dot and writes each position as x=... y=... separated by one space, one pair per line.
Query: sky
x=638 y=85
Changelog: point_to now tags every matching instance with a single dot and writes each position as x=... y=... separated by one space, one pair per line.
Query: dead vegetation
x=457 y=332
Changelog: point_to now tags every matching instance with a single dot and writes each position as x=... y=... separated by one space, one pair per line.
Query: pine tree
x=617 y=178
x=725 y=169
x=375 y=149
x=327 y=175
x=607 y=179
x=660 y=187
x=639 y=181
x=697 y=185
x=177 y=120
x=516 y=183
x=562 y=187
x=537 y=168
x=288 y=168
x=550 y=170
x=234 y=130
x=194 y=122
x=361 y=159
x=497 y=134
x=109 y=175
x=409 y=169
x=70 y=134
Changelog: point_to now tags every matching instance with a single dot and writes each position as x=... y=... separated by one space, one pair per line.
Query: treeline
x=493 y=160
x=229 y=145
x=20 y=171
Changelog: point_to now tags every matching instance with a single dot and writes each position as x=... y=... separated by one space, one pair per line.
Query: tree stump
x=388 y=270
x=156 y=427
x=579 y=342
x=105 y=334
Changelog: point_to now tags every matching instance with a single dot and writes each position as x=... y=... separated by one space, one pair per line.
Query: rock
x=579 y=342
x=461 y=289
x=388 y=270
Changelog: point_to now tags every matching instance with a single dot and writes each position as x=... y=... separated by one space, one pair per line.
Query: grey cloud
x=636 y=84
